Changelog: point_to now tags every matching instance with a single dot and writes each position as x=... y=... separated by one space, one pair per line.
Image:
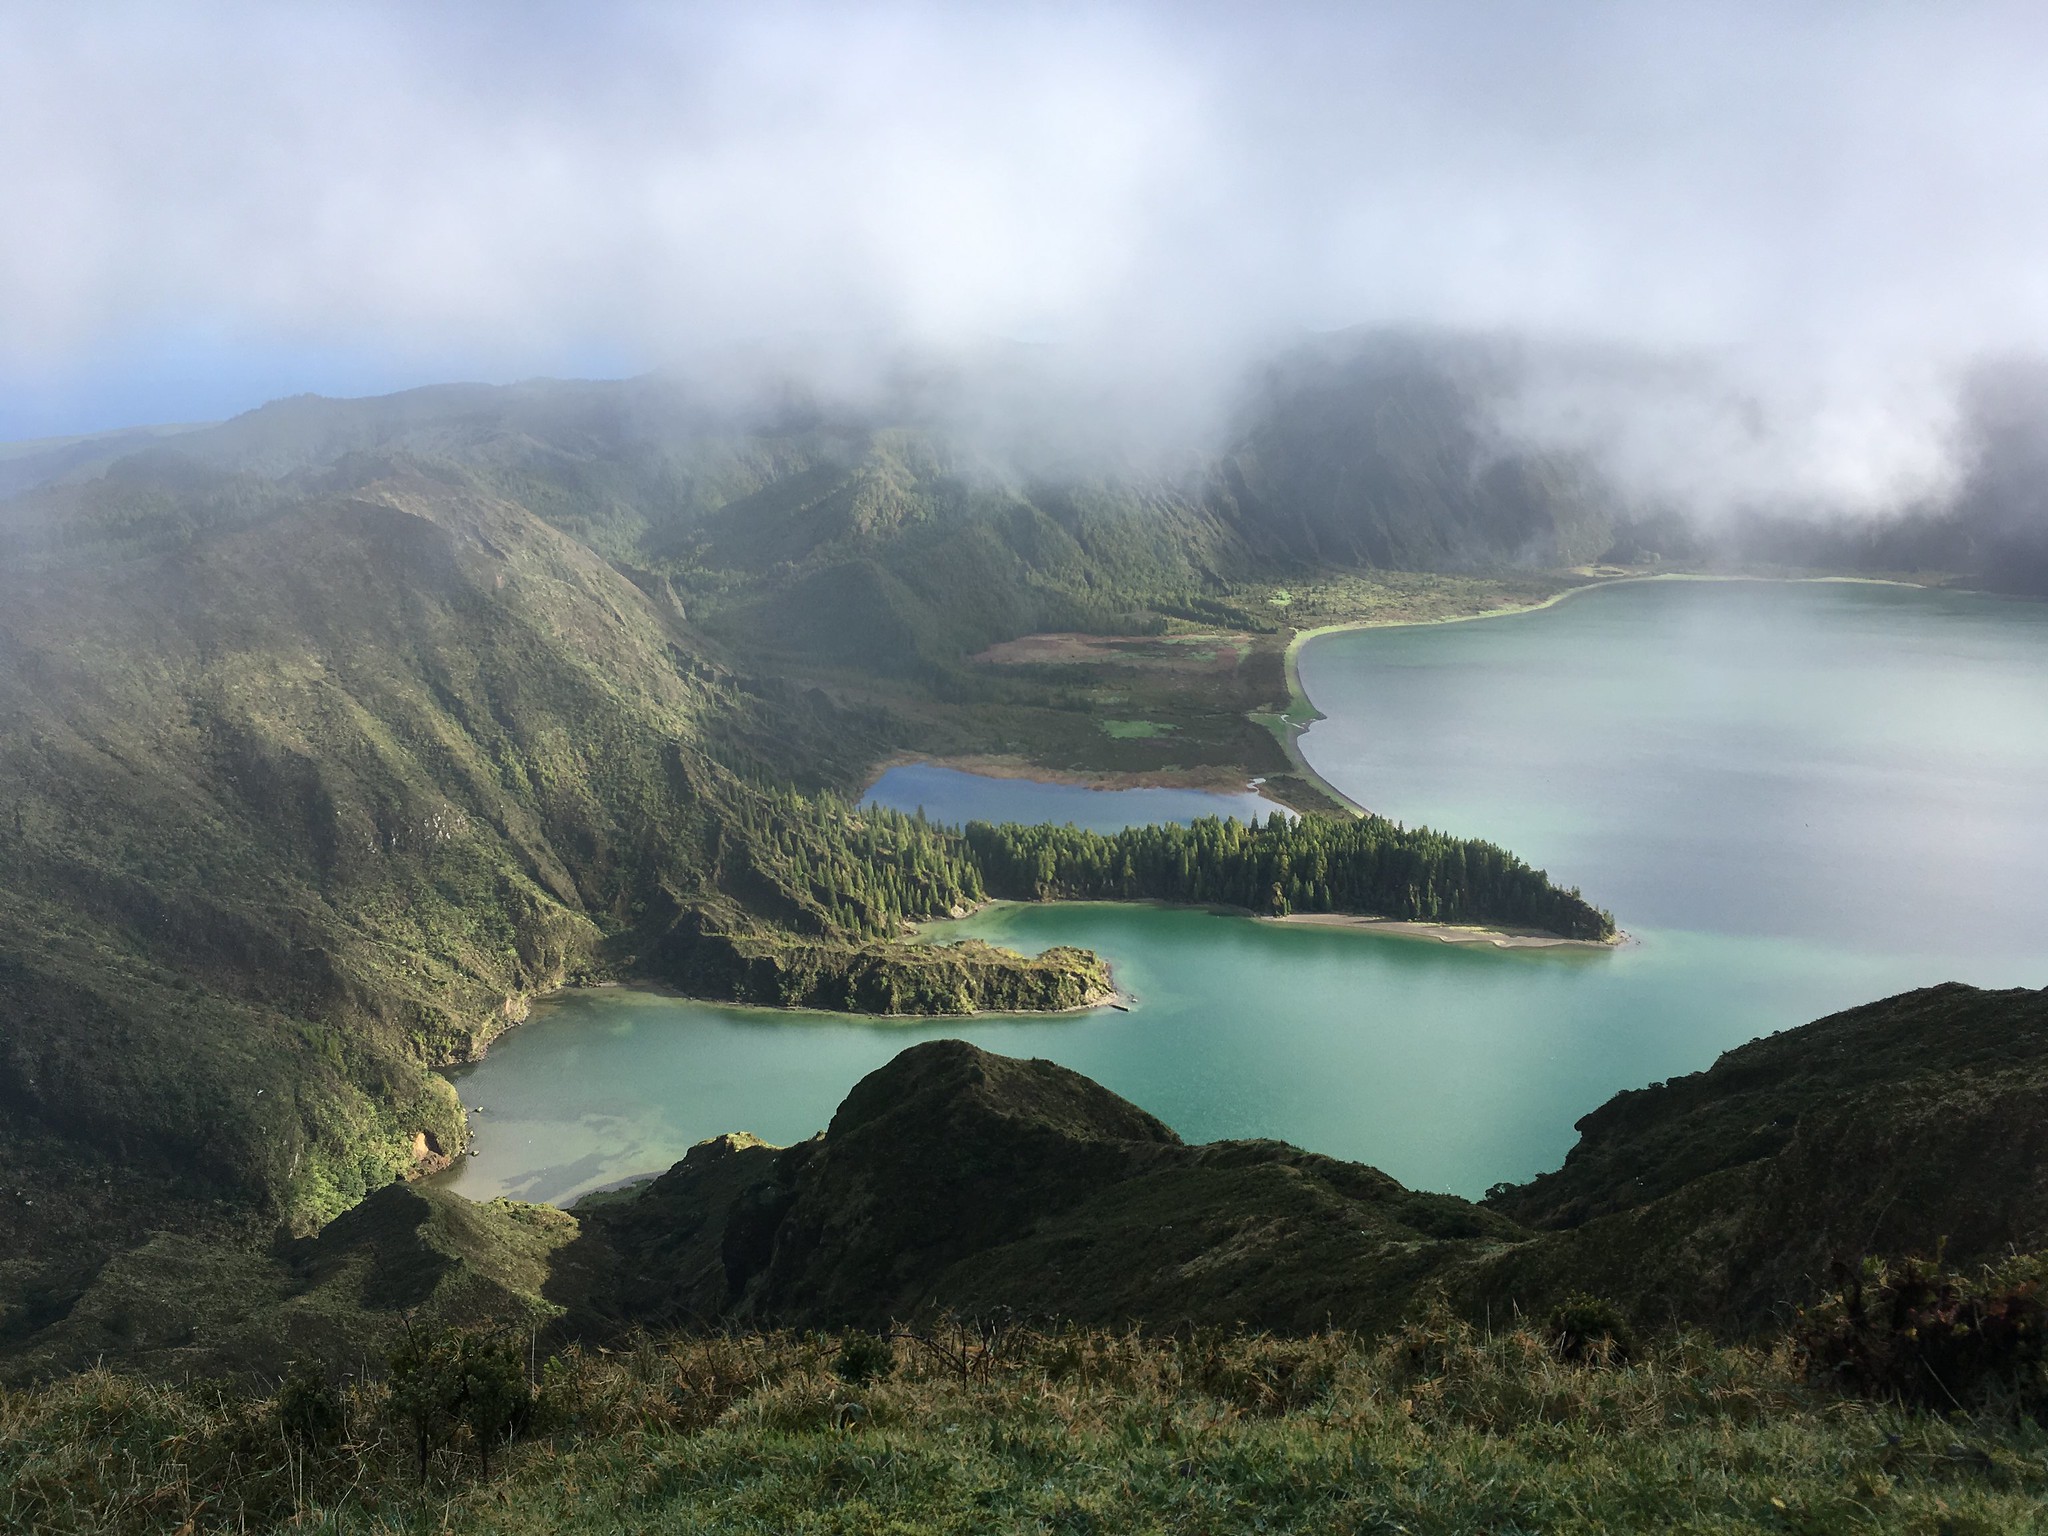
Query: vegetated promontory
x=1311 y=864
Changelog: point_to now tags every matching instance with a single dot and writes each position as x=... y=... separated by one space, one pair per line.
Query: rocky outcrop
x=774 y=970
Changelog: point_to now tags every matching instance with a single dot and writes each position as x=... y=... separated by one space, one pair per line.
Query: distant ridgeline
x=1368 y=865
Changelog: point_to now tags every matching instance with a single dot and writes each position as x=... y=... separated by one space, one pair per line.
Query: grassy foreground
x=1439 y=1427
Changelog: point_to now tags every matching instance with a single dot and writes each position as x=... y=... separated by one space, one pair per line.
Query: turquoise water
x=1796 y=797
x=955 y=797
x=1858 y=766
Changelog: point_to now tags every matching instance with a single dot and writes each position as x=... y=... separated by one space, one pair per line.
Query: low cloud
x=1831 y=211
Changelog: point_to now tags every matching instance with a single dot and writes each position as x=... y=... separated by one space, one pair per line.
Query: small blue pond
x=954 y=797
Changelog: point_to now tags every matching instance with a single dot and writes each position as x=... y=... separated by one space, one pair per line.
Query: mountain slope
x=302 y=805
x=1914 y=1125
x=789 y=523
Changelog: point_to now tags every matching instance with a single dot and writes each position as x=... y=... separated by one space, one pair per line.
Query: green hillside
x=309 y=799
x=331 y=735
x=995 y=1296
x=1918 y=1125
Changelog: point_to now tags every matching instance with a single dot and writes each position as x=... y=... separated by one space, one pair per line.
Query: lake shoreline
x=1447 y=933
x=1455 y=1065
x=1288 y=724
x=1210 y=779
x=1503 y=937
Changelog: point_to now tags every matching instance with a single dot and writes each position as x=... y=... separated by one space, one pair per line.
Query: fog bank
x=1821 y=216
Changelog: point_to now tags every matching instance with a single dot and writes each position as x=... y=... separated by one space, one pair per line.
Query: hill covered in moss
x=957 y=1183
x=994 y=1295
x=300 y=806
x=1916 y=1125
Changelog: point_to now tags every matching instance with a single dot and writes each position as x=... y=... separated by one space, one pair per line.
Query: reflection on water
x=1797 y=797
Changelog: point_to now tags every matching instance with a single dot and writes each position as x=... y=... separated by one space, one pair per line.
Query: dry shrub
x=1258 y=1373
x=797 y=1405
x=1440 y=1371
x=1587 y=1330
x=1098 y=1362
x=864 y=1358
x=680 y=1385
x=1917 y=1334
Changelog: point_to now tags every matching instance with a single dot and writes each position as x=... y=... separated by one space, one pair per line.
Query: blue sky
x=211 y=205
x=169 y=375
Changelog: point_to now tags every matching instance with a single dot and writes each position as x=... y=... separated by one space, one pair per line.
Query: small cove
x=1798 y=798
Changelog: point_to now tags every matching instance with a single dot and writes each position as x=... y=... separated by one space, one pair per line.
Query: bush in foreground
x=1915 y=1333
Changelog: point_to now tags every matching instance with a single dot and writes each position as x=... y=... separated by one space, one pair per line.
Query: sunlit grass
x=1439 y=1428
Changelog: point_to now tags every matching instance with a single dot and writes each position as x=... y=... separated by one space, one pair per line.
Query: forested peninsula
x=1366 y=865
x=869 y=871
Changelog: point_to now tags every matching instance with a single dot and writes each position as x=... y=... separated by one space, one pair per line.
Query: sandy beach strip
x=1445 y=933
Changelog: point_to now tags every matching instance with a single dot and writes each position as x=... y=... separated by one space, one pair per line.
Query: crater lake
x=1795 y=797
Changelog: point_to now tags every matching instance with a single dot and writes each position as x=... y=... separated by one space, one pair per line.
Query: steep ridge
x=1385 y=449
x=1916 y=1125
